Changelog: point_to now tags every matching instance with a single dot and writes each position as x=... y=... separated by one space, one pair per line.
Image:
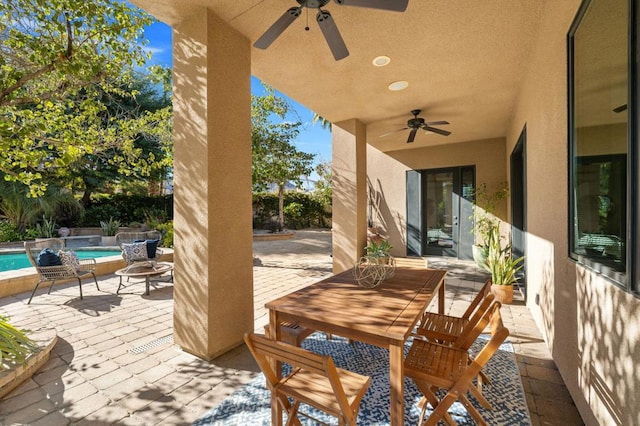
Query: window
x=600 y=141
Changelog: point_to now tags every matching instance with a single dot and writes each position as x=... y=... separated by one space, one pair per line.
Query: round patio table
x=144 y=270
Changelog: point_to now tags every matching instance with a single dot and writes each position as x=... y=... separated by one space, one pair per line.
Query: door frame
x=417 y=210
x=518 y=196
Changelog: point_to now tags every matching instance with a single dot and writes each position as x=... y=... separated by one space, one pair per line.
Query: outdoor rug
x=250 y=405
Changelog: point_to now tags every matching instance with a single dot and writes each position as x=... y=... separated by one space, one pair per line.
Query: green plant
x=9 y=232
x=46 y=228
x=500 y=262
x=167 y=233
x=109 y=227
x=380 y=248
x=14 y=344
x=486 y=225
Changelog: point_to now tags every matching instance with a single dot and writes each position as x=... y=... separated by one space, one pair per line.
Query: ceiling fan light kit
x=325 y=22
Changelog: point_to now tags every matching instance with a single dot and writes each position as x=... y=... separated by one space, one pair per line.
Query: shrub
x=167 y=233
x=9 y=232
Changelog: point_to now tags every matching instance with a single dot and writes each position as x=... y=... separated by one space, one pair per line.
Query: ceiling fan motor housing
x=415 y=123
x=314 y=4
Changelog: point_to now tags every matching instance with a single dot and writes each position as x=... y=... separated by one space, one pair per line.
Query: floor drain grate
x=152 y=344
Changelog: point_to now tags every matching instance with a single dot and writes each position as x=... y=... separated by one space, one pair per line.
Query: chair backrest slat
x=292 y=355
x=484 y=291
x=473 y=329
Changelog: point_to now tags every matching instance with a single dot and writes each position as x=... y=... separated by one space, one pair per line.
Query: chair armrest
x=55 y=272
x=87 y=265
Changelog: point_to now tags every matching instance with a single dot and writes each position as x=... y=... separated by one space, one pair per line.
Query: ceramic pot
x=502 y=293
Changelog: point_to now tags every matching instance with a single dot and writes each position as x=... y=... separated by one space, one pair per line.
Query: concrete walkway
x=115 y=361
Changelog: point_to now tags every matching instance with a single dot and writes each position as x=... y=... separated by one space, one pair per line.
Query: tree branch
x=36 y=74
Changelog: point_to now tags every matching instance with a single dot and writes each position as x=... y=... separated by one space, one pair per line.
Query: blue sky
x=312 y=139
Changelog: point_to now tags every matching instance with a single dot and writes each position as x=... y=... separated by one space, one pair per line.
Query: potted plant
x=486 y=224
x=503 y=268
x=379 y=250
x=109 y=230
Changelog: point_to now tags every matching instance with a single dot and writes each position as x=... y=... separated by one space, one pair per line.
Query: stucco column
x=349 y=184
x=213 y=280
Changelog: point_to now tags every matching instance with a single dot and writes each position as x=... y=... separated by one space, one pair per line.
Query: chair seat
x=315 y=389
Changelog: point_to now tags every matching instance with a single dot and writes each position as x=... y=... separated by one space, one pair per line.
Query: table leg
x=396 y=380
x=441 y=298
x=275 y=334
x=147 y=282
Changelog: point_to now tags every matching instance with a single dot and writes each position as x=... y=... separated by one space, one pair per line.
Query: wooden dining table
x=383 y=316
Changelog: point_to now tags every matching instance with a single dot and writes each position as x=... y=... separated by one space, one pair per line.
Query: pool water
x=12 y=261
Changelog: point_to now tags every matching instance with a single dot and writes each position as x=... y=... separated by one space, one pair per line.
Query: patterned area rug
x=251 y=404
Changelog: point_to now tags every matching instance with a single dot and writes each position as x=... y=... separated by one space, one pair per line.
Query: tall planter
x=502 y=293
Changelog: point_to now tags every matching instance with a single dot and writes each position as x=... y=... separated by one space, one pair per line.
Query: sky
x=312 y=138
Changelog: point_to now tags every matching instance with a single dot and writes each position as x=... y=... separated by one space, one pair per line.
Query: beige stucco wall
x=213 y=290
x=386 y=178
x=589 y=323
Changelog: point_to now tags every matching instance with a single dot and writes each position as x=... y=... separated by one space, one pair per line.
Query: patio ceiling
x=464 y=61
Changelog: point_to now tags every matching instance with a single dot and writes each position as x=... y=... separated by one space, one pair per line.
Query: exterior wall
x=589 y=324
x=349 y=168
x=387 y=181
x=213 y=280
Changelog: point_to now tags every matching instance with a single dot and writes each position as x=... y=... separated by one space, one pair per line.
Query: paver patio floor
x=115 y=361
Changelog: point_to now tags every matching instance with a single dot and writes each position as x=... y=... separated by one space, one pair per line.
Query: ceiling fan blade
x=434 y=130
x=393 y=131
x=278 y=28
x=332 y=35
x=620 y=108
x=436 y=123
x=412 y=135
x=392 y=5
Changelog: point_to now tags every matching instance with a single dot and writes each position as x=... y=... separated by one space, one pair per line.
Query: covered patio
x=113 y=367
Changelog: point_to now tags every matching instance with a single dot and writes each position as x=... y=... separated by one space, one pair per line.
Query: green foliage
x=275 y=160
x=309 y=210
x=46 y=228
x=380 y=248
x=9 y=232
x=14 y=344
x=110 y=227
x=130 y=208
x=485 y=206
x=167 y=233
x=500 y=262
x=66 y=82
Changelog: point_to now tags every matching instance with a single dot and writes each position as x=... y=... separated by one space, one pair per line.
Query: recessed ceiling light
x=381 y=61
x=398 y=85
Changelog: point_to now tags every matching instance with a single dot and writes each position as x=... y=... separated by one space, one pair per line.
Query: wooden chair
x=434 y=366
x=86 y=267
x=314 y=380
x=447 y=328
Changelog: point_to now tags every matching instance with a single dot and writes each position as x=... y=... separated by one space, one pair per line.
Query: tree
x=59 y=60
x=324 y=123
x=274 y=158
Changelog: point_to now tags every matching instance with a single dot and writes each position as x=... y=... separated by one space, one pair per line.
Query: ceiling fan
x=325 y=21
x=417 y=123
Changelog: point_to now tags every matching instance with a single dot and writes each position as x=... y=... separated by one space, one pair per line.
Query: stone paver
x=93 y=378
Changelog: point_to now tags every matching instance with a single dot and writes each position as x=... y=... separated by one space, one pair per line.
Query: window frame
x=629 y=280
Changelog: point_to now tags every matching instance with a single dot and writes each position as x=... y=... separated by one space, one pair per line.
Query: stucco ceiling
x=464 y=61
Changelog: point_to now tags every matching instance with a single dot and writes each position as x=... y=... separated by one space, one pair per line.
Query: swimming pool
x=12 y=261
